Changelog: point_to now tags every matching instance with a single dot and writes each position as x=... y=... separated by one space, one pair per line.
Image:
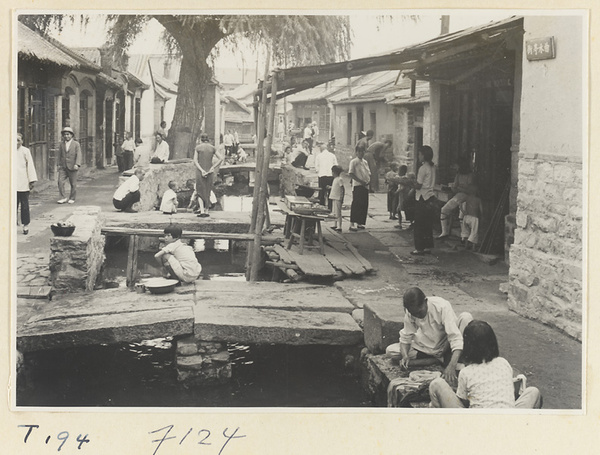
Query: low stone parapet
x=76 y=261
x=157 y=178
x=382 y=324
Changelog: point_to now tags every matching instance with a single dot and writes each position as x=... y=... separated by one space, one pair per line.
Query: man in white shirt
x=129 y=192
x=161 y=153
x=432 y=333
x=308 y=135
x=323 y=164
x=177 y=258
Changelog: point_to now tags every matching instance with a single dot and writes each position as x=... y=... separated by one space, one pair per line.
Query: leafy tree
x=295 y=40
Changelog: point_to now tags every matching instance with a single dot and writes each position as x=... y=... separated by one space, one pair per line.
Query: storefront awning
x=447 y=59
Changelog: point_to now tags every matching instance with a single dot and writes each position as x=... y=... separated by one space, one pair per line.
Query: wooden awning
x=447 y=59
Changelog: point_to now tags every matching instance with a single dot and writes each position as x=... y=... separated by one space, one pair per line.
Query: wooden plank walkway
x=235 y=311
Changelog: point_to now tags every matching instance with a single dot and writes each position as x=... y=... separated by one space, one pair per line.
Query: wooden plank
x=337 y=260
x=284 y=255
x=350 y=259
x=366 y=264
x=258 y=326
x=34 y=292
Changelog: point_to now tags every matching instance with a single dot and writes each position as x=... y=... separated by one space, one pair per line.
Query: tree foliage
x=293 y=40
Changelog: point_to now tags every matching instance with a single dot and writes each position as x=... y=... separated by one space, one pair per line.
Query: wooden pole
x=260 y=156
x=132 y=256
x=263 y=191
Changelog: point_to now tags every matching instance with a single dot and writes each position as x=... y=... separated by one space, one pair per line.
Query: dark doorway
x=108 y=131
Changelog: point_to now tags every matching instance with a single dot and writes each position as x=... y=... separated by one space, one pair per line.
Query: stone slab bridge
x=201 y=317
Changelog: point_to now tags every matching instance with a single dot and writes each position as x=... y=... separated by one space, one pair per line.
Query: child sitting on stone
x=177 y=258
x=169 y=202
x=472 y=209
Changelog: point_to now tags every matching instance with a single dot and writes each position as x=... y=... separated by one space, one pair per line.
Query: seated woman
x=302 y=157
x=463 y=179
x=487 y=379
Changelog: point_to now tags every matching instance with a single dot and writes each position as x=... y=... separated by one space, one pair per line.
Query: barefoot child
x=487 y=379
x=169 y=202
x=391 y=179
x=178 y=259
x=336 y=196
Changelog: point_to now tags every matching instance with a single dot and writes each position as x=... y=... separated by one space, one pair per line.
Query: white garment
x=359 y=168
x=131 y=185
x=185 y=256
x=470 y=229
x=324 y=161
x=168 y=204
x=162 y=151
x=25 y=169
x=432 y=334
x=487 y=385
x=426 y=177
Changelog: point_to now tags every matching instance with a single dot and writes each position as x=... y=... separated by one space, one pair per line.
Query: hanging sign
x=540 y=49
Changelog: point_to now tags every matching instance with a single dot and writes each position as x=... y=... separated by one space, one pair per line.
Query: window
x=373 y=122
x=349 y=129
x=66 y=109
x=37 y=112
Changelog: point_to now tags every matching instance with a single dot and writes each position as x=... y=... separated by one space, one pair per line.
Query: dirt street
x=551 y=360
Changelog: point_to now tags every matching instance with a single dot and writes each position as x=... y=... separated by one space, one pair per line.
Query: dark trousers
x=23 y=201
x=360 y=205
x=127 y=159
x=323 y=183
x=392 y=201
x=120 y=163
x=127 y=201
x=423 y=227
x=65 y=174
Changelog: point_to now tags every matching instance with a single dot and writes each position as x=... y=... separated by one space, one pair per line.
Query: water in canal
x=144 y=374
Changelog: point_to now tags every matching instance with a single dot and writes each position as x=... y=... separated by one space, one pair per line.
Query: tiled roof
x=33 y=46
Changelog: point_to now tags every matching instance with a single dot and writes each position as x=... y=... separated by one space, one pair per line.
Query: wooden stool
x=298 y=220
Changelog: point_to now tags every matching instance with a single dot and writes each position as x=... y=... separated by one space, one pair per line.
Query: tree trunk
x=189 y=108
x=196 y=39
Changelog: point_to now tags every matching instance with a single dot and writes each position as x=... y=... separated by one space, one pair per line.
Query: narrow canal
x=144 y=375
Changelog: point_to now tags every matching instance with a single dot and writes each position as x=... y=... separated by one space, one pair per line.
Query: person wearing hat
x=205 y=162
x=324 y=161
x=69 y=162
x=161 y=152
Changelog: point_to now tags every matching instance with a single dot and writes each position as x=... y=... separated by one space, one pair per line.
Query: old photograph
x=270 y=210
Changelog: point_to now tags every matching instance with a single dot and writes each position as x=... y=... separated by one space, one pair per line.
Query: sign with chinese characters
x=540 y=49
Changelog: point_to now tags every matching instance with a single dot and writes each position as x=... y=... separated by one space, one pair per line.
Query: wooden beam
x=190 y=234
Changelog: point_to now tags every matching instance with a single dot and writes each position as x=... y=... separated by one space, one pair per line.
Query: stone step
x=261 y=326
x=34 y=292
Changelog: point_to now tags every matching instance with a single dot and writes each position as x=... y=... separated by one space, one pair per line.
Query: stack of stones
x=202 y=362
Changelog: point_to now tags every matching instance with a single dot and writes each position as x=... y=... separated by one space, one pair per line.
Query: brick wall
x=546 y=258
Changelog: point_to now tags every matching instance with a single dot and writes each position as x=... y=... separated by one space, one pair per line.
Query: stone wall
x=76 y=261
x=292 y=176
x=545 y=274
x=202 y=362
x=157 y=178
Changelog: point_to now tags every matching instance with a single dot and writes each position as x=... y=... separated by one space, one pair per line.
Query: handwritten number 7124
x=204 y=437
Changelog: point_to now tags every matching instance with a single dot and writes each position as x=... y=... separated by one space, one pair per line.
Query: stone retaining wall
x=202 y=362
x=76 y=261
x=545 y=273
x=157 y=178
x=292 y=176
